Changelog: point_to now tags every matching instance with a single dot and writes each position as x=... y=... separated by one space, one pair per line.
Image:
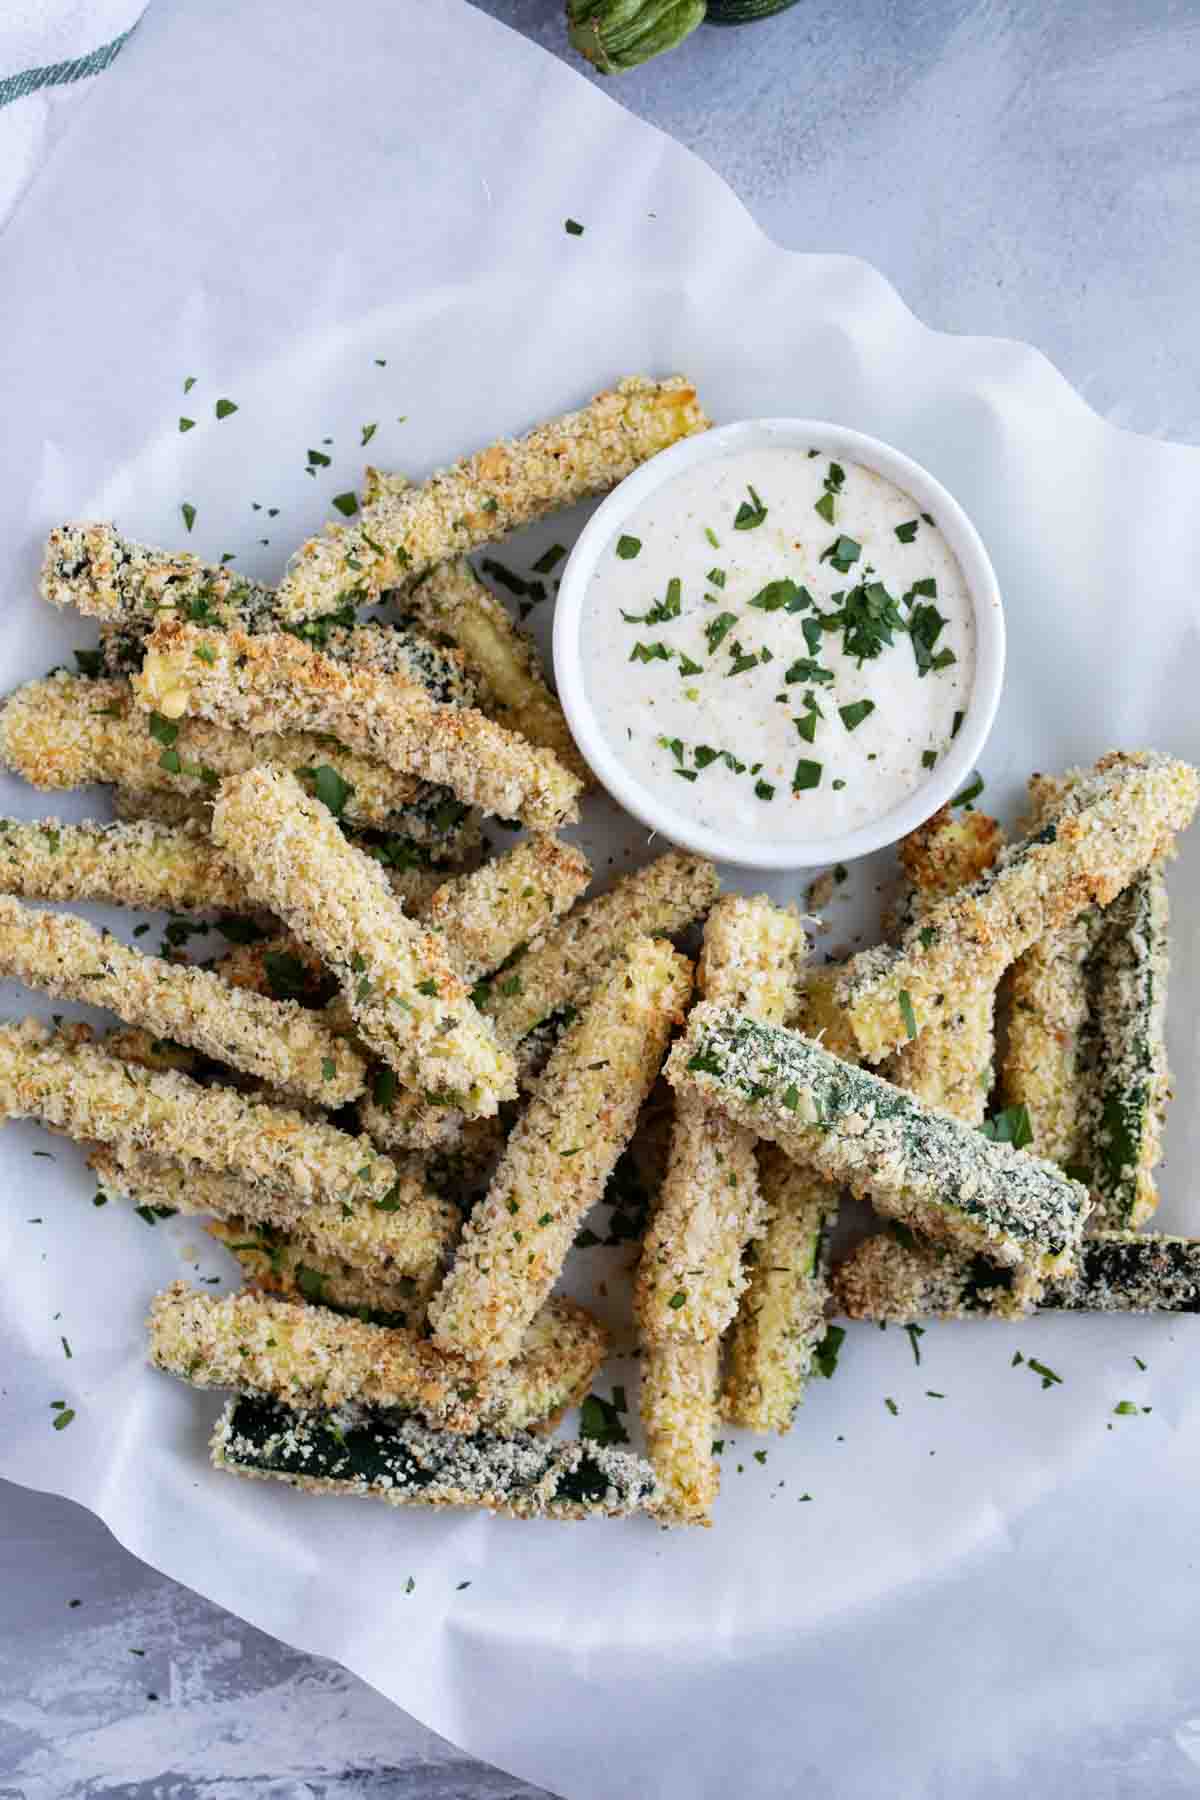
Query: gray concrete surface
x=1022 y=167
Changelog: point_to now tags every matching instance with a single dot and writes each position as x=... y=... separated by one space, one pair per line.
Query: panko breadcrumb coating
x=283 y=1266
x=410 y=1241
x=908 y=1279
x=145 y=865
x=276 y=1041
x=486 y=915
x=561 y=1153
x=277 y=684
x=409 y=1006
x=453 y=601
x=404 y=530
x=915 y=1163
x=678 y=1406
x=1115 y=822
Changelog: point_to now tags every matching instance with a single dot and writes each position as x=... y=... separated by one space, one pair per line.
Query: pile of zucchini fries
x=399 y=1094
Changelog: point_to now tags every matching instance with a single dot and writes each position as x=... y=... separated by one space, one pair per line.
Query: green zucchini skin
x=744 y=12
x=616 y=35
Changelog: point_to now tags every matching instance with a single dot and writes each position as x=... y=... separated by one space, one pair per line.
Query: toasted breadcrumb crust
x=486 y=915
x=1114 y=823
x=310 y=1356
x=293 y=1271
x=710 y=1207
x=376 y=1456
x=65 y=732
x=1118 y=1271
x=557 y=969
x=406 y=1000
x=1131 y=1085
x=158 y=806
x=561 y=1153
x=781 y=1316
x=81 y=1089
x=404 y=530
x=143 y=864
x=453 y=601
x=277 y=1041
x=277 y=684
x=410 y=1244
x=820 y=1014
x=678 y=1406
x=912 y=1162
x=949 y=1063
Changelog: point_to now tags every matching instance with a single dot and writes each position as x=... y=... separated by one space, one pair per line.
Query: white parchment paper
x=347 y=214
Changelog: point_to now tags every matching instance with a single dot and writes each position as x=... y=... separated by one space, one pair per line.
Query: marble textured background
x=1021 y=167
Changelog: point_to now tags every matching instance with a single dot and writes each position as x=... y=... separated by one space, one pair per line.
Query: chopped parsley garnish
x=926 y=588
x=807 y=775
x=189 y=384
x=957 y=725
x=317 y=459
x=63 y=1414
x=428 y=987
x=189 y=514
x=600 y=1422
x=892 y=1407
x=867 y=618
x=385 y=1087
x=662 y=609
x=368 y=432
x=328 y=787
x=627 y=547
x=550 y=559
x=647 y=653
x=687 y=666
x=286 y=975
x=712 y=537
x=825 y=507
x=328 y=1068
x=187 y=424
x=225 y=407
x=1049 y=1378
x=346 y=504
x=717 y=577
x=1125 y=1408
x=828 y=1350
x=928 y=759
x=572 y=227
x=853 y=715
x=906 y=533
x=806 y=669
x=750 y=513
x=842 y=553
x=742 y=659
x=915 y=1334
x=718 y=628
x=784 y=594
x=907 y=1013
x=1012 y=1126
x=971 y=792
x=925 y=627
x=763 y=790
x=164 y=730
x=675 y=746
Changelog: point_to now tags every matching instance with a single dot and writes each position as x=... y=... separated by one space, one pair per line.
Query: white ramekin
x=952 y=771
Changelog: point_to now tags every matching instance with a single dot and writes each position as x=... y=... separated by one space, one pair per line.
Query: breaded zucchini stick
x=558 y=969
x=280 y=1265
x=950 y=1063
x=1043 y=1067
x=158 y=806
x=143 y=865
x=486 y=915
x=371 y=1456
x=274 y=1040
x=678 y=1407
x=1114 y=823
x=66 y=732
x=409 y=1241
x=1118 y=1271
x=402 y=530
x=277 y=684
x=309 y=1356
x=560 y=1154
x=1131 y=1084
x=80 y=1089
x=914 y=1163
x=690 y=1276
x=410 y=1007
x=452 y=600
x=781 y=1316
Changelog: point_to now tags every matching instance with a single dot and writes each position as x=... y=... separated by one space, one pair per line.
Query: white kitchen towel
x=49 y=51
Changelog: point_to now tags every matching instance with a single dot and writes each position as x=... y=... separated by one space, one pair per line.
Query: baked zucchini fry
x=691 y=1276
x=279 y=1265
x=1118 y=1271
x=143 y=865
x=276 y=1041
x=79 y=1089
x=276 y=683
x=158 y=806
x=452 y=601
x=912 y=1162
x=486 y=915
x=66 y=732
x=375 y=1456
x=781 y=1316
x=410 y=1007
x=1131 y=1084
x=1043 y=1067
x=949 y=1064
x=560 y=1154
x=308 y=1356
x=404 y=530
x=557 y=969
x=1115 y=821
x=410 y=1244
x=679 y=1407
x=282 y=967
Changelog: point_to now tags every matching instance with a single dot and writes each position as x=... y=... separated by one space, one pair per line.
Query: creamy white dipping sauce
x=735 y=644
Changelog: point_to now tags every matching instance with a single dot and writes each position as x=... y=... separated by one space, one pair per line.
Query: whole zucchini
x=743 y=12
x=616 y=35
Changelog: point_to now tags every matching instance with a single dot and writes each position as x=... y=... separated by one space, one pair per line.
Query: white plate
x=270 y=200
